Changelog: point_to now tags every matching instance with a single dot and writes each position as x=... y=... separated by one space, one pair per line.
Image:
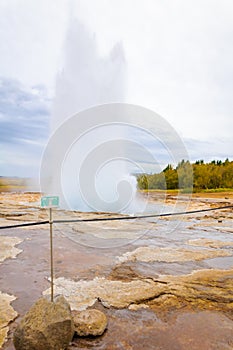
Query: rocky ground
x=164 y=283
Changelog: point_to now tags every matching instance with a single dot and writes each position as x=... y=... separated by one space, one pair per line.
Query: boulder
x=89 y=322
x=47 y=326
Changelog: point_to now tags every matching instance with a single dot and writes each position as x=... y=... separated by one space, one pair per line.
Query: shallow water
x=87 y=250
x=144 y=330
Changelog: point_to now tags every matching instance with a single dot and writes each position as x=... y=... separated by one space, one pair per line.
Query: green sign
x=50 y=202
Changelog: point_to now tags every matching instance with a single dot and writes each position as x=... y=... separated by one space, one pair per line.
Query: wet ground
x=188 y=262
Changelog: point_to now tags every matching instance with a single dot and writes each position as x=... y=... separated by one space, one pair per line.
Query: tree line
x=186 y=176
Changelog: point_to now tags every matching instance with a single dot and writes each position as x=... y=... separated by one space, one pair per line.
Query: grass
x=212 y=193
x=216 y=190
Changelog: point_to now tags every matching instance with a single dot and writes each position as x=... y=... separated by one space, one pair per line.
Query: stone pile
x=51 y=326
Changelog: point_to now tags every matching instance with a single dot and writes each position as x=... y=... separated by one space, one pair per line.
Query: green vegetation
x=213 y=176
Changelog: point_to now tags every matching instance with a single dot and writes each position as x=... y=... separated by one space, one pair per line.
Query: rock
x=7 y=247
x=89 y=322
x=7 y=314
x=123 y=273
x=205 y=289
x=170 y=255
x=47 y=326
x=211 y=243
x=82 y=294
x=136 y=307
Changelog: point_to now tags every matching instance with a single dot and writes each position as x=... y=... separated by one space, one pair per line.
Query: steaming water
x=86 y=80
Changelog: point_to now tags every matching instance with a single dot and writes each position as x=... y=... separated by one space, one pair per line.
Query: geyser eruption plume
x=98 y=140
x=87 y=80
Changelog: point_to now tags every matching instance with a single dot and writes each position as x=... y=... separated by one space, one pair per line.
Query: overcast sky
x=178 y=57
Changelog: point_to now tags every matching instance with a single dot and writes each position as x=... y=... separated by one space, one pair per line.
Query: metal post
x=51 y=250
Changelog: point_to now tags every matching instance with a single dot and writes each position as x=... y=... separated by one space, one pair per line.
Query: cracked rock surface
x=7 y=247
x=205 y=289
x=7 y=313
x=149 y=254
x=164 y=283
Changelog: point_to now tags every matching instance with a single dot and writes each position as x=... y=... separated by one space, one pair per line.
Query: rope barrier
x=142 y=216
x=25 y=224
x=115 y=218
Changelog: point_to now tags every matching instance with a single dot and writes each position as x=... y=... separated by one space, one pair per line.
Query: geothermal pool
x=164 y=283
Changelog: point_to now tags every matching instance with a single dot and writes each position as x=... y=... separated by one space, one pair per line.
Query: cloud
x=179 y=60
x=24 y=127
x=212 y=149
x=31 y=36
